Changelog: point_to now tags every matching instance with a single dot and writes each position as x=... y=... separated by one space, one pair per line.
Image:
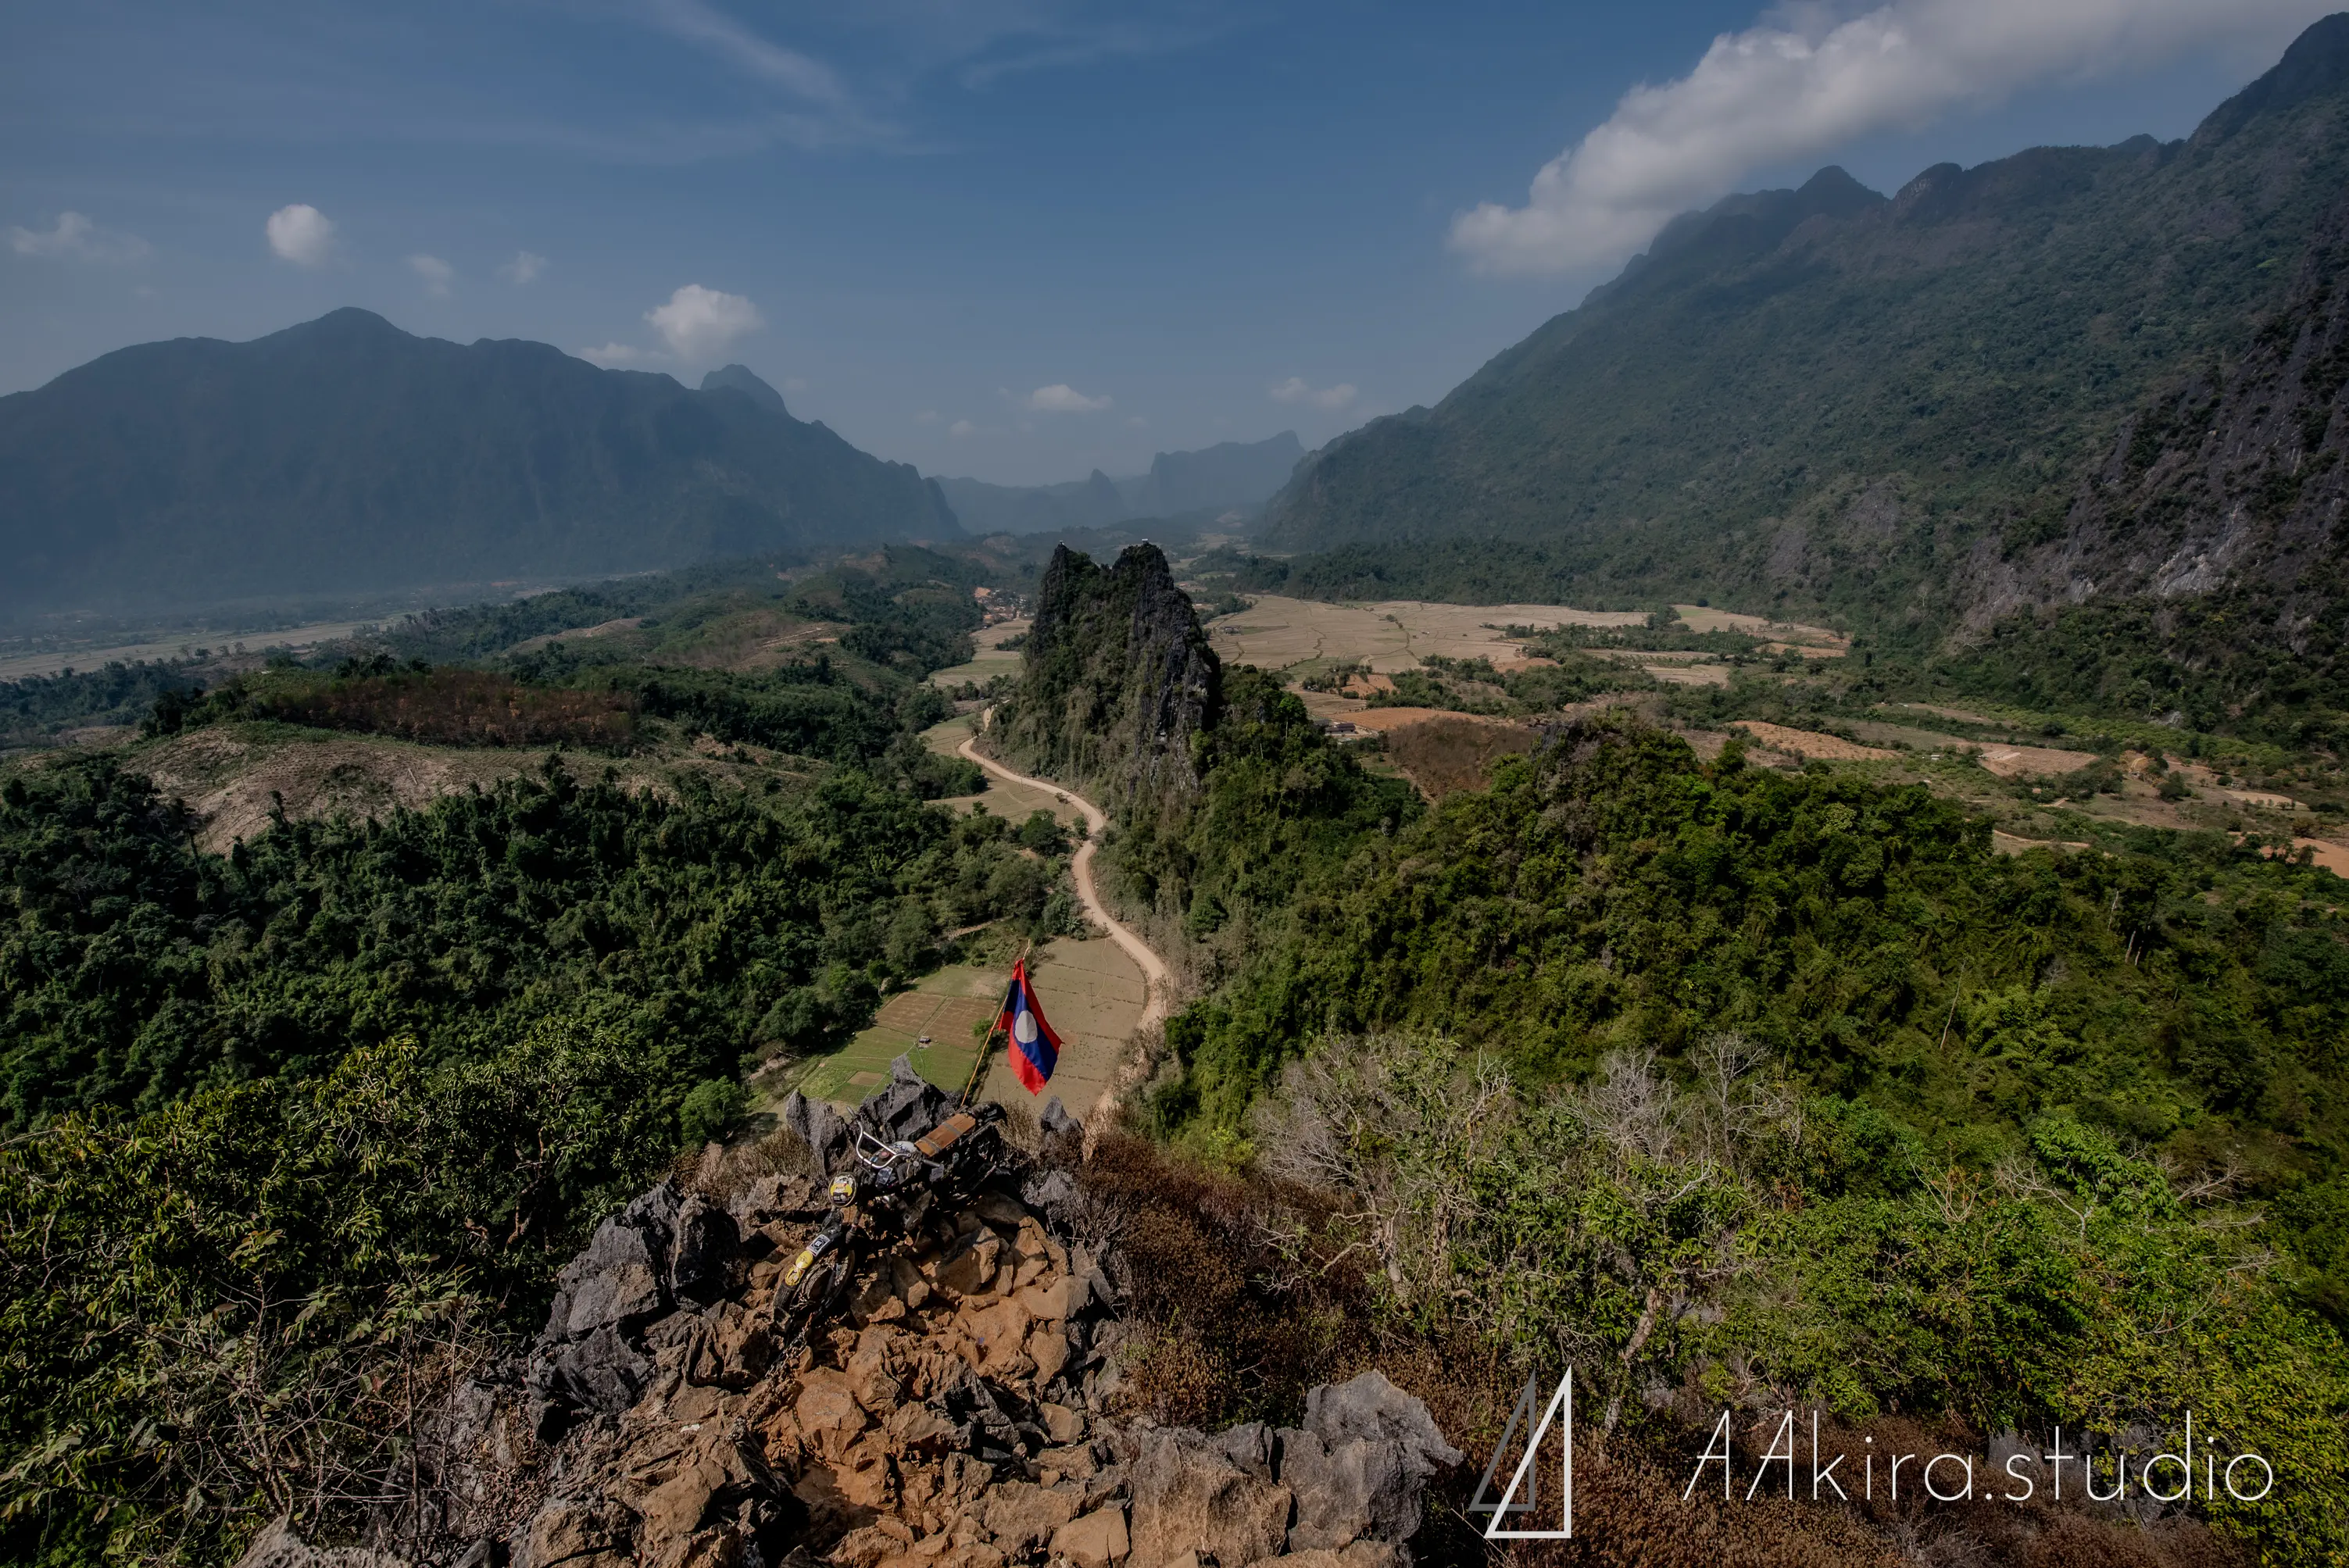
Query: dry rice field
x=1277 y=633
x=1787 y=633
x=2034 y=762
x=1808 y=743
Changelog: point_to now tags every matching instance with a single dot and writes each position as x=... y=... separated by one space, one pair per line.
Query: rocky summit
x=964 y=1414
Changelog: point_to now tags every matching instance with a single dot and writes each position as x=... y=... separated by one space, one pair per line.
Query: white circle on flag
x=1023 y=1028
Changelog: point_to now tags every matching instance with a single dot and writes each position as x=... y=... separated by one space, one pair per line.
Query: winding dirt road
x=1156 y=979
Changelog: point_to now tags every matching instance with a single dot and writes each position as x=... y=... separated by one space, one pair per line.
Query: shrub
x=711 y=1109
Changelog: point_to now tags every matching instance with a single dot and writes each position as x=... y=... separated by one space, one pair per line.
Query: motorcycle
x=894 y=1190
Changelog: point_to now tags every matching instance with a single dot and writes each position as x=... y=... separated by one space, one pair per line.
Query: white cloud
x=76 y=237
x=612 y=355
x=1812 y=78
x=962 y=427
x=302 y=234
x=1062 y=398
x=1136 y=422
x=437 y=274
x=926 y=416
x=701 y=323
x=524 y=268
x=795 y=384
x=1294 y=390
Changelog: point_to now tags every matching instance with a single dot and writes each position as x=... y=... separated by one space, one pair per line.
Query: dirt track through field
x=1157 y=979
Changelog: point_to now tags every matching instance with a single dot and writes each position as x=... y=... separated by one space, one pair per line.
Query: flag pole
x=988 y=1044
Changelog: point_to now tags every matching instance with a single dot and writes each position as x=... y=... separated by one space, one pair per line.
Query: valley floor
x=1095 y=990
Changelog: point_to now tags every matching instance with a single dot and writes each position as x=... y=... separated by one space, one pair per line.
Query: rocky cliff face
x=1118 y=678
x=2230 y=480
x=1821 y=399
x=964 y=1416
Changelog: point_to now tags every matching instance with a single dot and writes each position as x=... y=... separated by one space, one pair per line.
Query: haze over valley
x=1048 y=784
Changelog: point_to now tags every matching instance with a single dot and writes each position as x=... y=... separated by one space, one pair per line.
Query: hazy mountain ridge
x=1227 y=475
x=1827 y=399
x=345 y=454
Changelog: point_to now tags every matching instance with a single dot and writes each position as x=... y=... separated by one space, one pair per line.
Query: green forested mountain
x=1906 y=411
x=344 y=454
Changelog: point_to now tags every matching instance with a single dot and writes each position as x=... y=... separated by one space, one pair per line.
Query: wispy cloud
x=526 y=268
x=436 y=273
x=1295 y=390
x=699 y=324
x=1810 y=78
x=76 y=237
x=1038 y=38
x=830 y=110
x=1062 y=398
x=800 y=75
x=301 y=234
x=962 y=427
x=612 y=355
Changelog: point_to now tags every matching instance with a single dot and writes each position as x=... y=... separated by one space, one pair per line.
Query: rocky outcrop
x=280 y=1547
x=965 y=1412
x=1117 y=679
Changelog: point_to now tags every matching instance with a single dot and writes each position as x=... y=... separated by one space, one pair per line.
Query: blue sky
x=1015 y=240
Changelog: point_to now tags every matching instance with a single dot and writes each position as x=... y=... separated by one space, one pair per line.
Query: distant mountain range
x=2069 y=375
x=344 y=454
x=1229 y=475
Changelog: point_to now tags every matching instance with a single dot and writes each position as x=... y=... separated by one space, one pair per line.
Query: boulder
x=621 y=1278
x=1248 y=1446
x=818 y=1125
x=1360 y=1554
x=1049 y=1193
x=590 y=1355
x=910 y=1105
x=575 y=1532
x=827 y=1412
x=773 y=1198
x=1021 y=1515
x=1096 y=1541
x=1370 y=1407
x=1356 y=1490
x=1188 y=1497
x=701 y=1258
x=971 y=1270
x=278 y=1547
x=601 y=1373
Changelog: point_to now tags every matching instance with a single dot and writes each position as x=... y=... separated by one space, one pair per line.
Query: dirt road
x=1156 y=975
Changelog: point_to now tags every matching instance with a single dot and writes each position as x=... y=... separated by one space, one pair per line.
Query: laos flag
x=1035 y=1050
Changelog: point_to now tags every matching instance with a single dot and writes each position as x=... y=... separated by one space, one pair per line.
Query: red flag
x=1035 y=1050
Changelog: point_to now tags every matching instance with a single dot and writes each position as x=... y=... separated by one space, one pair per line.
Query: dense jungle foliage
x=331 y=1098
x=303 y=1132
x=138 y=968
x=1787 y=1080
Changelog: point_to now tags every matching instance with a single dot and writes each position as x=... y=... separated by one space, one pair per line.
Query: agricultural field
x=1089 y=990
x=1812 y=640
x=991 y=660
x=1302 y=635
x=294 y=639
